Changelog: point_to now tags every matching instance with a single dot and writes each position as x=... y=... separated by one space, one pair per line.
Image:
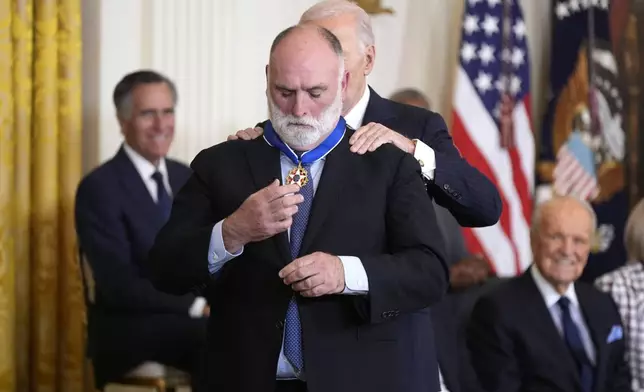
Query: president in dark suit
x=470 y=196
x=120 y=207
x=321 y=284
x=545 y=331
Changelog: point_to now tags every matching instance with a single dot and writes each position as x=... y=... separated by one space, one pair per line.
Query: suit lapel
x=378 y=109
x=329 y=189
x=541 y=316
x=135 y=188
x=594 y=321
x=264 y=165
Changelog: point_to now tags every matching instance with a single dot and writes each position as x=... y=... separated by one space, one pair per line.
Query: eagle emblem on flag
x=588 y=131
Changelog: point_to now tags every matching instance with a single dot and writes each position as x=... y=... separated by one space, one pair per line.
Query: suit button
x=279 y=324
x=446 y=187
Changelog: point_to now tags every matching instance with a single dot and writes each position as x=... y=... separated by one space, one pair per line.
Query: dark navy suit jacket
x=515 y=345
x=470 y=196
x=117 y=221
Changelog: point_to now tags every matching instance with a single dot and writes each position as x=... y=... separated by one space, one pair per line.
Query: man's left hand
x=371 y=136
x=315 y=275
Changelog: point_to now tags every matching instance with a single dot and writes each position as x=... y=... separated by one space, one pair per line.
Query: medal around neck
x=299 y=175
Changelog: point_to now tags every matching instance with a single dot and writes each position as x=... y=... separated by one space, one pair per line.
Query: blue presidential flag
x=582 y=147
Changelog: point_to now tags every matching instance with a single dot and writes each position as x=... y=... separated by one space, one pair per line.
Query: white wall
x=216 y=51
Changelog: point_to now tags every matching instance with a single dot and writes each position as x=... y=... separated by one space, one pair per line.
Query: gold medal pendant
x=298 y=175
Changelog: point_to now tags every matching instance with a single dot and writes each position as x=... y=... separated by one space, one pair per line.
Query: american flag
x=494 y=65
x=575 y=169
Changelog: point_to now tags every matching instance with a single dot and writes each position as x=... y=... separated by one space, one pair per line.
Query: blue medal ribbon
x=311 y=156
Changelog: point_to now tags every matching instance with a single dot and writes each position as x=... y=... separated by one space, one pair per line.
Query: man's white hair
x=537 y=215
x=330 y=8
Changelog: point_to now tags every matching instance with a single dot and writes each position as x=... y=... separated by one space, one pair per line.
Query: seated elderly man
x=626 y=286
x=545 y=331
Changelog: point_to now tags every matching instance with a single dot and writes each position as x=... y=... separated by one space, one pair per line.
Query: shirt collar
x=144 y=167
x=356 y=114
x=549 y=294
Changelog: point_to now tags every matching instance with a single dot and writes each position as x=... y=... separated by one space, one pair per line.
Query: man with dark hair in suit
x=321 y=284
x=545 y=330
x=451 y=181
x=120 y=206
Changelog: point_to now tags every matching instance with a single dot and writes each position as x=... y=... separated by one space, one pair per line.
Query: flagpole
x=591 y=71
x=505 y=104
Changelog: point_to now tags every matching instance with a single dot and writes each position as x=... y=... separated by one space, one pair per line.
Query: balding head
x=411 y=96
x=305 y=85
x=562 y=234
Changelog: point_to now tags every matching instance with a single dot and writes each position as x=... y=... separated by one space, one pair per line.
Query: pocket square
x=616 y=333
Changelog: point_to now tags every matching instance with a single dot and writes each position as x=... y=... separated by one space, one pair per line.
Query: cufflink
x=422 y=164
x=214 y=256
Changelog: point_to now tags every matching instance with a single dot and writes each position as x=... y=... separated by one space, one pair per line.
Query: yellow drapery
x=41 y=302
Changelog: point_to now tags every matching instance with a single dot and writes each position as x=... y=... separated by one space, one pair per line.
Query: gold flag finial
x=373 y=7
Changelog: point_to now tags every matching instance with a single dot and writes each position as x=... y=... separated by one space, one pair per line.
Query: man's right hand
x=263 y=214
x=247 y=134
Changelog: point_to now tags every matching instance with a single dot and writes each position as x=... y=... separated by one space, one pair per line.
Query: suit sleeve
x=104 y=243
x=491 y=348
x=413 y=275
x=178 y=261
x=470 y=196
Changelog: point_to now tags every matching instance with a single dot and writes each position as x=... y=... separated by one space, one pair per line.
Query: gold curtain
x=41 y=302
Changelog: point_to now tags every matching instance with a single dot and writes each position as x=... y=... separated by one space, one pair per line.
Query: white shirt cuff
x=217 y=253
x=197 y=307
x=355 y=276
x=426 y=157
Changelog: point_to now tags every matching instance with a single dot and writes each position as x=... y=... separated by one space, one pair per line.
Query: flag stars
x=517 y=57
x=562 y=11
x=614 y=93
x=471 y=24
x=574 y=5
x=490 y=25
x=519 y=29
x=515 y=85
x=483 y=82
x=468 y=52
x=473 y=3
x=486 y=54
x=565 y=8
x=493 y=3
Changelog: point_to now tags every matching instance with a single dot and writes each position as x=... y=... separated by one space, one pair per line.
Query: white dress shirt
x=551 y=296
x=146 y=169
x=442 y=382
x=424 y=154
